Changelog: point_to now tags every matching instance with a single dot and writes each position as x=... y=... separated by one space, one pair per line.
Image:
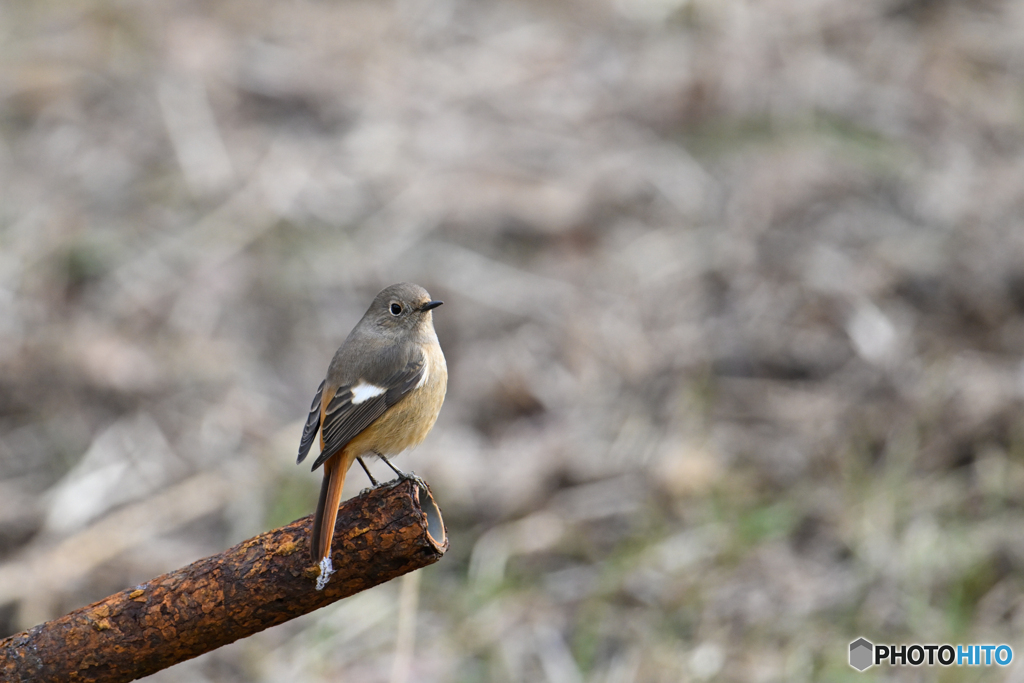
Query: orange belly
x=406 y=423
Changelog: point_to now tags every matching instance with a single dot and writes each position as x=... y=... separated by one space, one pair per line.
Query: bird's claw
x=414 y=478
x=405 y=476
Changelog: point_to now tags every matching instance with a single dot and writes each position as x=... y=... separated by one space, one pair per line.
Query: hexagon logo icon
x=861 y=651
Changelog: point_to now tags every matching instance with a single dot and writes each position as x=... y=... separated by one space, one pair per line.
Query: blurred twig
x=259 y=583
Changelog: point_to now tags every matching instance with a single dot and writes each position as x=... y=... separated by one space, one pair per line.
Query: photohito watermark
x=864 y=653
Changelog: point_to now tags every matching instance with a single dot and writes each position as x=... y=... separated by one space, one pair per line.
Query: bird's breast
x=409 y=421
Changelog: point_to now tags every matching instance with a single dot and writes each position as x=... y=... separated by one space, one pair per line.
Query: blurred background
x=734 y=314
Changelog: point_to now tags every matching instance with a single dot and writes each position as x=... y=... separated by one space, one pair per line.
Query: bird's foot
x=411 y=476
x=373 y=482
x=405 y=476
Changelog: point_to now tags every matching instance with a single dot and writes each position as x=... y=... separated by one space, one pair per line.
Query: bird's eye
x=396 y=309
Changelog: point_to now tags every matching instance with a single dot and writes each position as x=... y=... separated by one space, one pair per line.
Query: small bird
x=382 y=394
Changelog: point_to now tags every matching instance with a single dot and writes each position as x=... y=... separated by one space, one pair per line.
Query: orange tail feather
x=335 y=470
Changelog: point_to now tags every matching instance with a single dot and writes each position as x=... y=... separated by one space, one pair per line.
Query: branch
x=259 y=583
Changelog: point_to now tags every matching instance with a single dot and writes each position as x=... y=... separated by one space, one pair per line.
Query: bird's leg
x=403 y=475
x=373 y=482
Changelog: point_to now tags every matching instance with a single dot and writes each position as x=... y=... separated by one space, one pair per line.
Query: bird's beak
x=430 y=304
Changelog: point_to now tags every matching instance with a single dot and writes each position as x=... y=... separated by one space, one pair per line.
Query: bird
x=382 y=394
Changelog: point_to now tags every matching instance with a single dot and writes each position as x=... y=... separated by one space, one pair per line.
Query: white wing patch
x=426 y=374
x=365 y=391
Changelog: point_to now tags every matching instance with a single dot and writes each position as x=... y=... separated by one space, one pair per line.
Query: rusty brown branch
x=259 y=583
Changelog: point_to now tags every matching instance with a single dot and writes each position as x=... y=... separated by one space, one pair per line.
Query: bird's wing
x=355 y=406
x=312 y=424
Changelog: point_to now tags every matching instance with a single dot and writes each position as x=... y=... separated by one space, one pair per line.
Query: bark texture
x=259 y=583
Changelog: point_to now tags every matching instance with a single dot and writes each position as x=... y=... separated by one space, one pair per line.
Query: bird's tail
x=335 y=470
